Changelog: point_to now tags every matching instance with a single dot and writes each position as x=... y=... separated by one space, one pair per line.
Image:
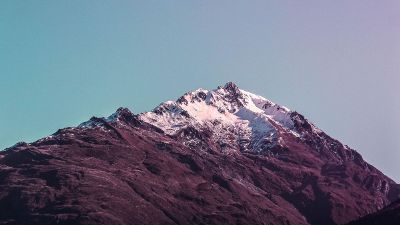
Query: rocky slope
x=224 y=156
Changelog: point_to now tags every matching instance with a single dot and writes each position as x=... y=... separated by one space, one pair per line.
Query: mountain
x=390 y=215
x=223 y=156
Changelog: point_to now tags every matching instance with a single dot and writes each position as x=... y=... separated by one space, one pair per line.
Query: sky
x=336 y=62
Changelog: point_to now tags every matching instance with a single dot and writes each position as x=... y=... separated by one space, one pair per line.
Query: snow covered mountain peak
x=227 y=103
x=232 y=117
x=251 y=121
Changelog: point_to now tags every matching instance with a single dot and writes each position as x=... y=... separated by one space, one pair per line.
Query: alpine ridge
x=222 y=156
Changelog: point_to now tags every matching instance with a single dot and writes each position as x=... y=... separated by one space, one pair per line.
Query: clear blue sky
x=337 y=62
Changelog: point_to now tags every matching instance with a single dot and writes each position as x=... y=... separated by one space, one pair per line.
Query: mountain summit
x=222 y=156
x=237 y=120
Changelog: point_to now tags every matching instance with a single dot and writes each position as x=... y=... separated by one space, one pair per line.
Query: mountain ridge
x=227 y=155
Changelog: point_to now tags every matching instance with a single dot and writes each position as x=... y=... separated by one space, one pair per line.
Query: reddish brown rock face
x=124 y=170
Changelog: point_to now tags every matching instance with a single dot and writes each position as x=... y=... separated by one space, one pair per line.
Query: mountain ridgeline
x=222 y=156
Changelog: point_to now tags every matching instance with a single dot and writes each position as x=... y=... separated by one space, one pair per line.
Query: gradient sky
x=336 y=62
